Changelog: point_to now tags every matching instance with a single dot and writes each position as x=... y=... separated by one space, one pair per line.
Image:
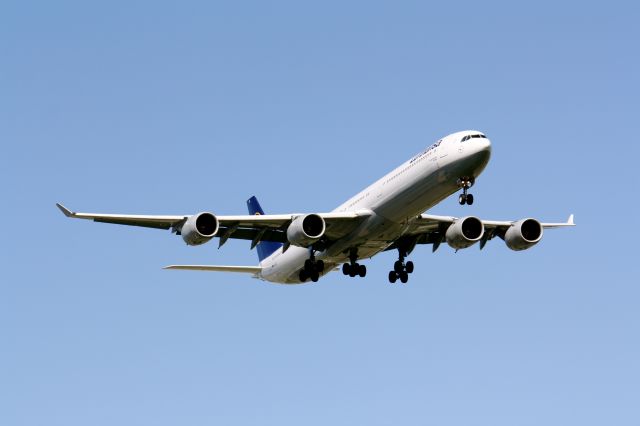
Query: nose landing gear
x=465 y=183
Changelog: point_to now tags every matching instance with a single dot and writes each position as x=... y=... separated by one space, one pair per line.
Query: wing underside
x=425 y=229
x=254 y=228
x=431 y=229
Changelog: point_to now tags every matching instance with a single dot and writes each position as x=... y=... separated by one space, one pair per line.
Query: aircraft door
x=443 y=150
x=437 y=152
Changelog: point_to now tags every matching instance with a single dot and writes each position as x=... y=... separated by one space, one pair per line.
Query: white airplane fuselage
x=392 y=203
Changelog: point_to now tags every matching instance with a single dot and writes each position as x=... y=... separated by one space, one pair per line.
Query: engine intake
x=464 y=232
x=306 y=230
x=523 y=234
x=200 y=228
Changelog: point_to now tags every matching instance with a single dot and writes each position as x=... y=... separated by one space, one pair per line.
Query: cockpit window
x=466 y=138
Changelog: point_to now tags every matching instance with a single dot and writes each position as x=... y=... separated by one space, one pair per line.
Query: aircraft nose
x=480 y=151
x=483 y=144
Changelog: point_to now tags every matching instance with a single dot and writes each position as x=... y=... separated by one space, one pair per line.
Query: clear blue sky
x=177 y=107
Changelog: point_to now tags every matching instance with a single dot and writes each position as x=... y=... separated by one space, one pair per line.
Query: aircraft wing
x=430 y=229
x=256 y=228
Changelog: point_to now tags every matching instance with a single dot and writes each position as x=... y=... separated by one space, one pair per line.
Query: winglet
x=65 y=211
x=570 y=220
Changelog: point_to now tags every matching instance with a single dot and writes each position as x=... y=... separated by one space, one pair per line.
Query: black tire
x=302 y=276
x=462 y=199
x=404 y=277
x=319 y=266
x=308 y=265
x=409 y=267
x=346 y=268
x=315 y=277
x=353 y=270
x=398 y=266
x=469 y=199
x=362 y=271
x=393 y=277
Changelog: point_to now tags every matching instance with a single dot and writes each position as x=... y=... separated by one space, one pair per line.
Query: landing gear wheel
x=398 y=266
x=462 y=199
x=353 y=270
x=303 y=276
x=319 y=265
x=469 y=199
x=315 y=277
x=346 y=268
x=404 y=277
x=362 y=271
x=409 y=267
x=308 y=265
x=393 y=277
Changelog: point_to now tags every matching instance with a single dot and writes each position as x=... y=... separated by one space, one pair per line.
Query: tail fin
x=265 y=248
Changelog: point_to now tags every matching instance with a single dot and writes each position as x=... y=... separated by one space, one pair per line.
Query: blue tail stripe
x=264 y=248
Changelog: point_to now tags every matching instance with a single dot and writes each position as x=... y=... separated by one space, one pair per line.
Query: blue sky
x=174 y=108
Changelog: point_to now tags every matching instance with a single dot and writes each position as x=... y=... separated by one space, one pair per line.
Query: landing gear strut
x=401 y=270
x=312 y=268
x=353 y=268
x=465 y=183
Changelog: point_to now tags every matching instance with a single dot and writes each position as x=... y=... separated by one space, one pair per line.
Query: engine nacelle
x=306 y=230
x=200 y=228
x=464 y=232
x=523 y=234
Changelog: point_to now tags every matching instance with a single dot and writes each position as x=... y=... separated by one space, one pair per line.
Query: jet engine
x=523 y=234
x=464 y=232
x=306 y=230
x=200 y=228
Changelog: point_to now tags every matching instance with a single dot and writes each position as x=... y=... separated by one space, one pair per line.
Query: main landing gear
x=401 y=270
x=353 y=268
x=465 y=183
x=312 y=269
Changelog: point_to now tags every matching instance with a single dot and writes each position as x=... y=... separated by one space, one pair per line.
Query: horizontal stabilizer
x=215 y=268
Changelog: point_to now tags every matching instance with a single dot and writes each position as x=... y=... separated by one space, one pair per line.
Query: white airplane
x=295 y=248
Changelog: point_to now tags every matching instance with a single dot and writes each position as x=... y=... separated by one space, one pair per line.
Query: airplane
x=387 y=215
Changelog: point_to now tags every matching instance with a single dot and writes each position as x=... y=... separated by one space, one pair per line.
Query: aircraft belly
x=370 y=238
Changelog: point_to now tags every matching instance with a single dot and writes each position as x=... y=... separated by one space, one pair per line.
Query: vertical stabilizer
x=265 y=248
